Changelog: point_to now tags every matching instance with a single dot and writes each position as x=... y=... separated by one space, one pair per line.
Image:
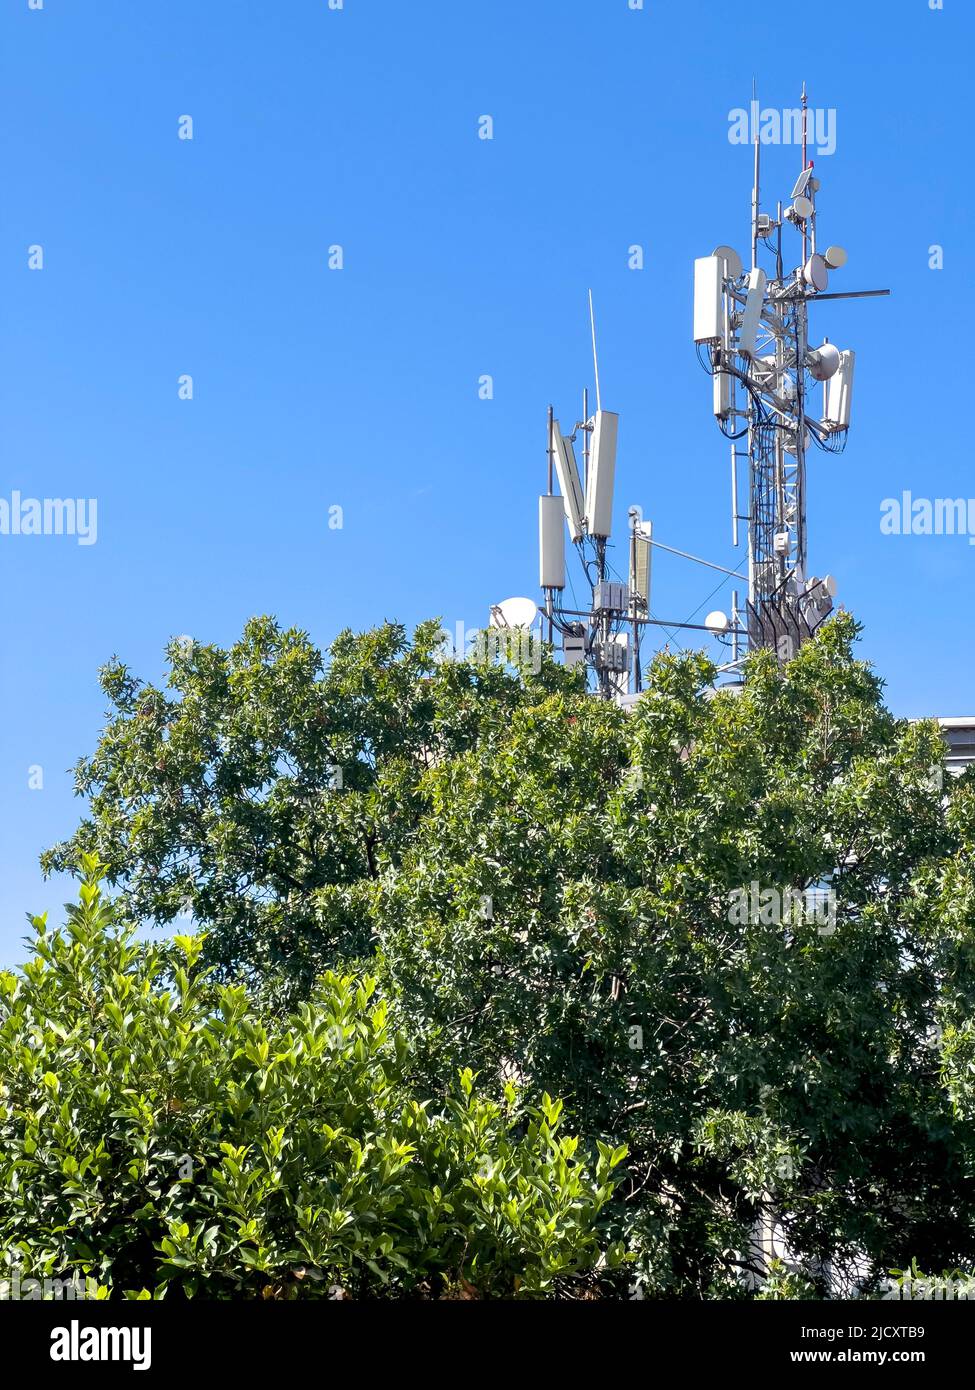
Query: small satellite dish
x=821 y=592
x=717 y=622
x=514 y=612
x=802 y=207
x=731 y=258
x=835 y=257
x=815 y=272
x=824 y=362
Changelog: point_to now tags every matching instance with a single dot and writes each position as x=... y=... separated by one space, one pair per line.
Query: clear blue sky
x=463 y=257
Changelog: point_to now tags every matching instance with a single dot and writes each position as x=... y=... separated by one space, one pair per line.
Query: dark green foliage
x=542 y=885
x=220 y=799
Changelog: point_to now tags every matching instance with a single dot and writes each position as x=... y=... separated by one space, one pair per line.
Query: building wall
x=960 y=736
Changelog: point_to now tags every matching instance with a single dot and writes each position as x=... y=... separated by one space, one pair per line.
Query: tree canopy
x=265 y=790
x=548 y=889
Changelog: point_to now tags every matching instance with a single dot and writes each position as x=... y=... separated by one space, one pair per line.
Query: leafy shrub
x=158 y=1135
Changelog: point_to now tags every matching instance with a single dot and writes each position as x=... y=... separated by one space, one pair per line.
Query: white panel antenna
x=722 y=395
x=551 y=543
x=802 y=183
x=839 y=393
x=602 y=474
x=640 y=565
x=722 y=380
x=569 y=484
x=708 y=299
x=754 y=303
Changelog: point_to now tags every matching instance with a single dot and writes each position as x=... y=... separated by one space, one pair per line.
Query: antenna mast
x=751 y=327
x=595 y=356
x=752 y=332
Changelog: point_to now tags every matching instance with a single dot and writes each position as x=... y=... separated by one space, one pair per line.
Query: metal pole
x=734 y=624
x=686 y=555
x=634 y=655
x=755 y=198
x=755 y=185
x=585 y=438
x=805 y=249
x=734 y=494
x=551 y=459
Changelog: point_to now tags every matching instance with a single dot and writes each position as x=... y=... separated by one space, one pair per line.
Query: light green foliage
x=158 y=1135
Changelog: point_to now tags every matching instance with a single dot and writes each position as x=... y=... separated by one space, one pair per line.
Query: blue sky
x=358 y=388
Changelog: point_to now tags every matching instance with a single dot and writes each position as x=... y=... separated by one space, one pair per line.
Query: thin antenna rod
x=595 y=359
x=549 y=593
x=755 y=187
x=734 y=493
x=805 y=235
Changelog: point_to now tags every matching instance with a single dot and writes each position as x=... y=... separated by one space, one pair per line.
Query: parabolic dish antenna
x=514 y=612
x=717 y=622
x=815 y=272
x=824 y=362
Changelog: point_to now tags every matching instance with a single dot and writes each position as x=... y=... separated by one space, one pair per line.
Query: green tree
x=785 y=1069
x=158 y=1136
x=265 y=790
x=552 y=898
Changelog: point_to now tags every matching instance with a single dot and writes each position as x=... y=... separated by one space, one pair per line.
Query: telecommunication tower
x=751 y=329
